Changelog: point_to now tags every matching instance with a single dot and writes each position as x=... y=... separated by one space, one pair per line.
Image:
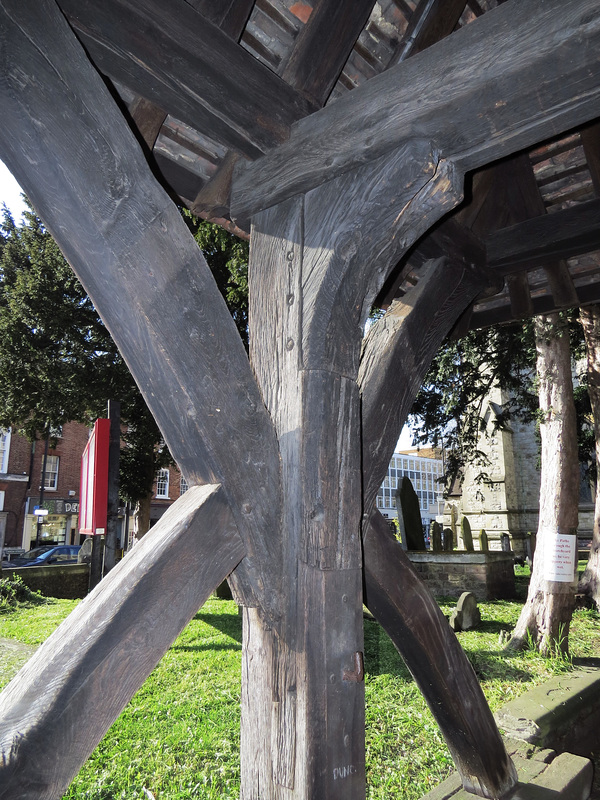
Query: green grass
x=179 y=737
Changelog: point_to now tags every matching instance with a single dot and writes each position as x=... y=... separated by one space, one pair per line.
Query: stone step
x=562 y=713
x=565 y=777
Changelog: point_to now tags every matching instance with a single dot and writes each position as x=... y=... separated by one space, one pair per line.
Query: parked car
x=42 y=556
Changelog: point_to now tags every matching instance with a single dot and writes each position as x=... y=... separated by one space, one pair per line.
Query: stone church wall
x=509 y=504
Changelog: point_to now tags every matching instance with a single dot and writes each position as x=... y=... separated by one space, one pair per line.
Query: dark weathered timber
x=59 y=706
x=484 y=82
x=313 y=724
x=316 y=264
x=549 y=237
x=188 y=66
x=323 y=46
x=213 y=198
x=148 y=119
x=431 y=21
x=64 y=137
x=404 y=607
x=516 y=198
x=485 y=317
x=229 y=15
x=396 y=354
x=590 y=139
x=521 y=305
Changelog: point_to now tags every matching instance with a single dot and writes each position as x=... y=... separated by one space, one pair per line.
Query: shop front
x=59 y=525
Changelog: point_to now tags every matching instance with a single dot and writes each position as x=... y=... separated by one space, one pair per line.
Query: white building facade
x=424 y=473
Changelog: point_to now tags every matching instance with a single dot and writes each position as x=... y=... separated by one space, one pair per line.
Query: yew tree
x=546 y=616
x=590 y=321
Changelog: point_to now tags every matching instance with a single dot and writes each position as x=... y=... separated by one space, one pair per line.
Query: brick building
x=20 y=487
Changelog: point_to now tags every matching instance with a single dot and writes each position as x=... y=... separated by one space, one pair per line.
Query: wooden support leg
x=409 y=338
x=71 y=691
x=404 y=607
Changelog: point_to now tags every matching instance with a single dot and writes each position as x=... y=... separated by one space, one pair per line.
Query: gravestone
x=484 y=545
x=85 y=552
x=467 y=536
x=530 y=547
x=435 y=537
x=409 y=515
x=454 y=524
x=505 y=542
x=466 y=615
x=447 y=540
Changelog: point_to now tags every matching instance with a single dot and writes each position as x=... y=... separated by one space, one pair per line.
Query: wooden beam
x=396 y=355
x=431 y=21
x=485 y=317
x=404 y=607
x=230 y=16
x=323 y=46
x=65 y=138
x=181 y=62
x=494 y=87
x=60 y=705
x=546 y=238
x=590 y=139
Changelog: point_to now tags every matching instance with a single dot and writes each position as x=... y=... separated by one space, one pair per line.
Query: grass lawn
x=178 y=739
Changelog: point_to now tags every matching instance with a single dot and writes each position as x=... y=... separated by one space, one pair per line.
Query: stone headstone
x=530 y=547
x=435 y=537
x=505 y=542
x=447 y=540
x=454 y=523
x=409 y=511
x=466 y=615
x=84 y=556
x=467 y=536
x=484 y=545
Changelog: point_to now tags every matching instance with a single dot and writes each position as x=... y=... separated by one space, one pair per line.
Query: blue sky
x=10 y=192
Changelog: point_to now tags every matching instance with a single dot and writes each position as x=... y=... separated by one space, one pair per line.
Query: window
x=183 y=485
x=4 y=450
x=51 y=476
x=162 y=483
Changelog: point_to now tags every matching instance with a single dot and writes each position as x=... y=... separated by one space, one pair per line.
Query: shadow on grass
x=201 y=648
x=229 y=624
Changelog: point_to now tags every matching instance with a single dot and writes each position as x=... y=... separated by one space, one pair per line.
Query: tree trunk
x=142 y=517
x=590 y=320
x=546 y=616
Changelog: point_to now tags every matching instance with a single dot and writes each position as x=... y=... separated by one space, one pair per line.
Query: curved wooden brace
x=396 y=355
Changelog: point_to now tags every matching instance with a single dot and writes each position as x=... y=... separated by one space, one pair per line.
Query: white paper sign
x=560 y=555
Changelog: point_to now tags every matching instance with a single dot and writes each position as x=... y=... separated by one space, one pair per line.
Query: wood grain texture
x=405 y=608
x=323 y=46
x=396 y=355
x=59 y=706
x=545 y=238
x=230 y=15
x=523 y=72
x=64 y=138
x=315 y=410
x=431 y=21
x=183 y=63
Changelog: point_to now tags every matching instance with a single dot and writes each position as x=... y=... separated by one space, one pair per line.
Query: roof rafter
x=188 y=66
x=482 y=80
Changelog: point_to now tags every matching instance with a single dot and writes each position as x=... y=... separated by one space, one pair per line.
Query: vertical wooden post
x=317 y=262
x=303 y=695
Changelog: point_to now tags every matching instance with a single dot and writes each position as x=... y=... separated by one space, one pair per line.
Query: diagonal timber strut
x=71 y=691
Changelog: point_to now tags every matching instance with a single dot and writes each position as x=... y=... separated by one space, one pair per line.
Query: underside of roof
x=209 y=85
